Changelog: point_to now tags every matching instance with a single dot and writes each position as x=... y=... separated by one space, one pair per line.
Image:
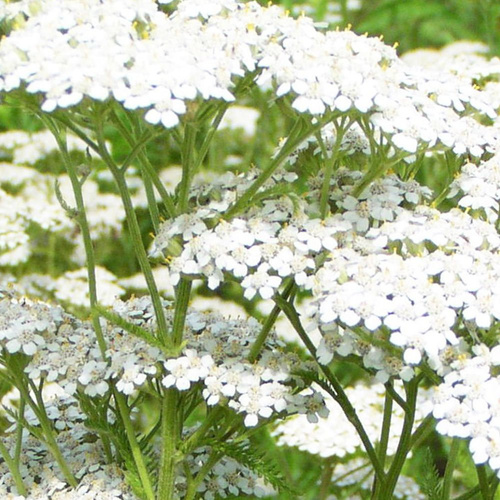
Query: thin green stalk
x=299 y=133
x=171 y=421
x=396 y=397
x=146 y=168
x=339 y=393
x=450 y=467
x=422 y=431
x=138 y=145
x=205 y=469
x=387 y=490
x=18 y=379
x=188 y=161
x=326 y=478
x=13 y=466
x=192 y=442
x=81 y=218
x=19 y=431
x=209 y=136
x=472 y=493
x=48 y=433
x=384 y=437
x=330 y=163
x=386 y=427
x=170 y=435
x=494 y=483
x=269 y=323
x=182 y=296
x=152 y=205
x=134 y=445
x=484 y=486
x=135 y=233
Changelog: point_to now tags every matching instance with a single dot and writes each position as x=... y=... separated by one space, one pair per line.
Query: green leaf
x=257 y=461
x=137 y=331
x=432 y=484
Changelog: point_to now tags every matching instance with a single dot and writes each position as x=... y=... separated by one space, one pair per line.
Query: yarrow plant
x=232 y=237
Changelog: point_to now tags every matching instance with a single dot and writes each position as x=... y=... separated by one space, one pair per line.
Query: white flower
x=260 y=282
x=186 y=370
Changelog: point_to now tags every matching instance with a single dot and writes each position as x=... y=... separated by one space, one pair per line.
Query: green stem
x=12 y=464
x=188 y=164
x=494 y=483
x=493 y=480
x=209 y=136
x=19 y=380
x=82 y=221
x=384 y=436
x=39 y=410
x=326 y=479
x=269 y=323
x=171 y=422
x=134 y=445
x=299 y=133
x=422 y=431
x=19 y=431
x=135 y=233
x=152 y=206
x=450 y=467
x=205 y=469
x=396 y=397
x=330 y=163
x=192 y=442
x=182 y=296
x=145 y=164
x=484 y=486
x=338 y=393
x=404 y=445
x=170 y=435
x=386 y=427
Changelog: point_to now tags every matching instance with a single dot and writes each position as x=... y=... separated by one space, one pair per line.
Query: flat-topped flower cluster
x=160 y=62
x=345 y=216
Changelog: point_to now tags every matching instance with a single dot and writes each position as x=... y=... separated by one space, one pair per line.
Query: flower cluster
x=479 y=188
x=227 y=478
x=466 y=404
x=145 y=48
x=62 y=350
x=84 y=454
x=412 y=298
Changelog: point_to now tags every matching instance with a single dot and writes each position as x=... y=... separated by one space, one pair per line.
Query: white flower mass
x=389 y=279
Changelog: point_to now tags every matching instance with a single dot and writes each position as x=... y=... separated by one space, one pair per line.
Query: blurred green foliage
x=413 y=23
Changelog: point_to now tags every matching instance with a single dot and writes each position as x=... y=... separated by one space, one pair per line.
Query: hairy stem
x=134 y=445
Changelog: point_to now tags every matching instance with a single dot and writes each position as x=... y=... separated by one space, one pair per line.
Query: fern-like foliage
x=96 y=410
x=432 y=484
x=137 y=331
x=257 y=461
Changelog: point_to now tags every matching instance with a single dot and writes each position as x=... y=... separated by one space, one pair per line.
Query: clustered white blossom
x=157 y=62
x=413 y=298
x=479 y=188
x=227 y=478
x=466 y=404
x=63 y=350
x=390 y=278
x=83 y=453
